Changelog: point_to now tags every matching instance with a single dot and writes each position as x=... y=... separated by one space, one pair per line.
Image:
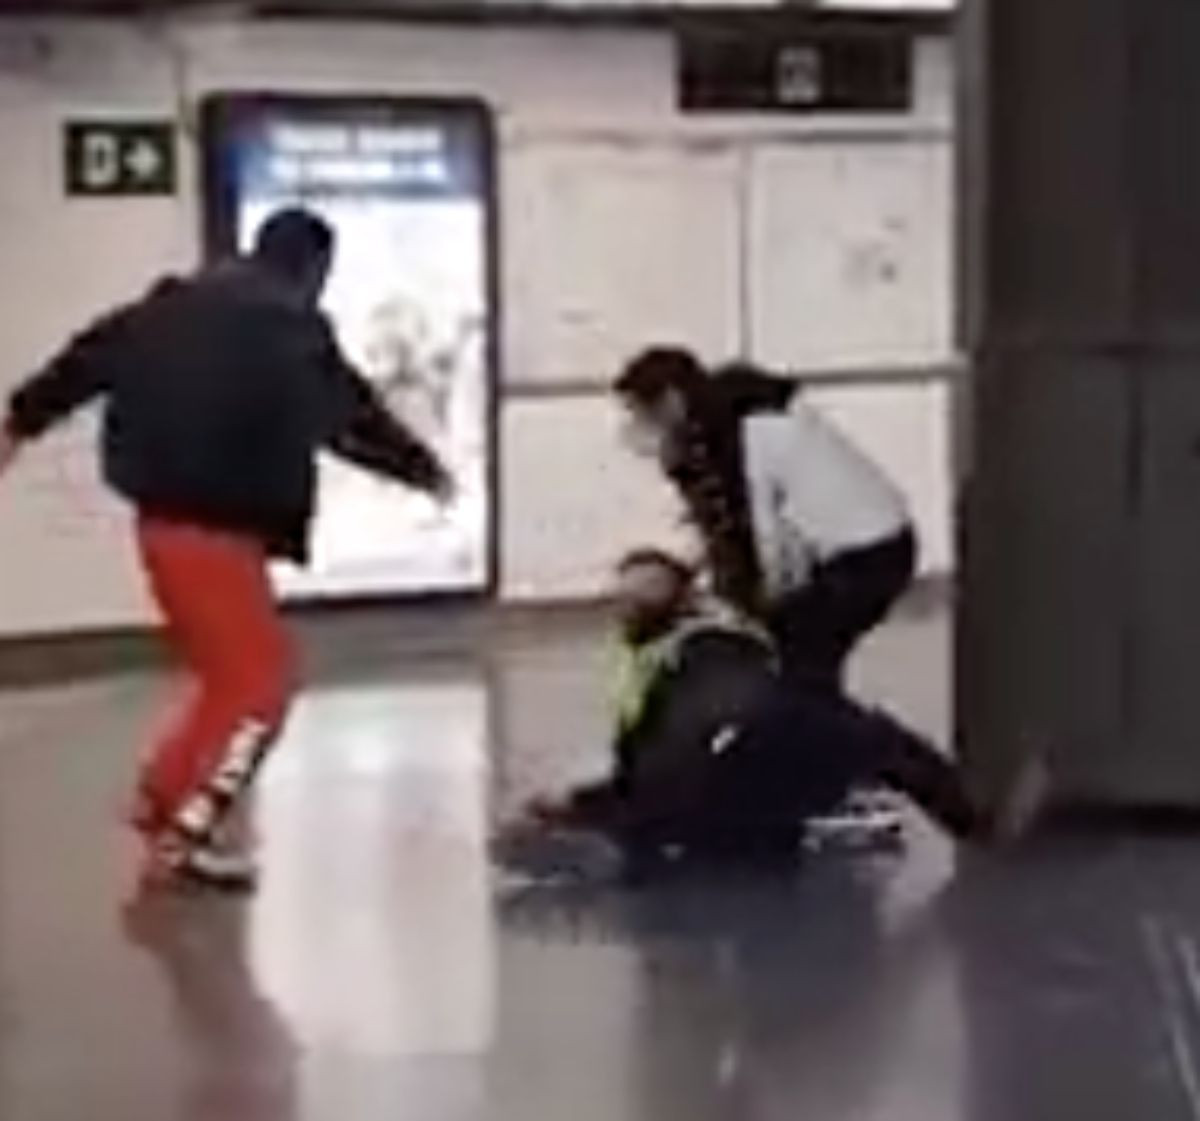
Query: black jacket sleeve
x=76 y=376
x=668 y=775
x=596 y=804
x=367 y=434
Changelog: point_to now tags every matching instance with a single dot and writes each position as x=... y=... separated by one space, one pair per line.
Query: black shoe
x=558 y=855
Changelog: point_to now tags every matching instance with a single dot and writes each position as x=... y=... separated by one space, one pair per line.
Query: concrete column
x=1079 y=629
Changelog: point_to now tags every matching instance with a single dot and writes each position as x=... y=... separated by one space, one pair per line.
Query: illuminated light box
x=409 y=187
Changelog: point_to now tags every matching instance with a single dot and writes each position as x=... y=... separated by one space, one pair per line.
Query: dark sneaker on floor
x=554 y=855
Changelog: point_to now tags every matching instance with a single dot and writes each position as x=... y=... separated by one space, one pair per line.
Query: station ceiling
x=621 y=11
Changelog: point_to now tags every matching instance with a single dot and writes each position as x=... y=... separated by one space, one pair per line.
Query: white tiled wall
x=585 y=278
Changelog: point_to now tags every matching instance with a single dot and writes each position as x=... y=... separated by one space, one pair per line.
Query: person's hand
x=10 y=448
x=443 y=489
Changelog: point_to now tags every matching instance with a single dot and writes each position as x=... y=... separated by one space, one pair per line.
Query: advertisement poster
x=408 y=186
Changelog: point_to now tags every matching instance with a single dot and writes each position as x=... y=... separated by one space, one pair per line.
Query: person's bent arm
x=369 y=436
x=602 y=803
x=77 y=376
x=766 y=500
x=784 y=553
x=10 y=445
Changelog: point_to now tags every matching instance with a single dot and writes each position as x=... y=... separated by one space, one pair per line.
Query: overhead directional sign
x=114 y=158
x=729 y=69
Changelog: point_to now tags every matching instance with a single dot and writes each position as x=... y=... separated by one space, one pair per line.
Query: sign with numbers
x=116 y=158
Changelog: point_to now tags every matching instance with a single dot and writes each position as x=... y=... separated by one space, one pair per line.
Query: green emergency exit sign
x=119 y=158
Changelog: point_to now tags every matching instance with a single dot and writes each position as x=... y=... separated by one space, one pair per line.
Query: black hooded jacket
x=219 y=390
x=703 y=680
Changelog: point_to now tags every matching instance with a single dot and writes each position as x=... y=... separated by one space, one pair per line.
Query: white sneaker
x=173 y=862
x=216 y=868
x=866 y=820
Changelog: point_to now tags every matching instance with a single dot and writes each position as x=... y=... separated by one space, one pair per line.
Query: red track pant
x=215 y=595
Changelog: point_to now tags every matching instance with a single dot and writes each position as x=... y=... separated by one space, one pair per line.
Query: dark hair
x=292 y=241
x=658 y=558
x=656 y=371
x=708 y=468
x=741 y=387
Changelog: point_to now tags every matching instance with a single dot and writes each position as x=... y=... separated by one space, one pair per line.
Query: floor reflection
x=373 y=933
x=1081 y=975
x=239 y=1059
x=772 y=996
x=379 y=974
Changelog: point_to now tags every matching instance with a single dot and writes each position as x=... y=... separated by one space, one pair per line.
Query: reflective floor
x=381 y=973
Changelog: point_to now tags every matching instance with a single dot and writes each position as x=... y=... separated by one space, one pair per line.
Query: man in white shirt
x=799 y=525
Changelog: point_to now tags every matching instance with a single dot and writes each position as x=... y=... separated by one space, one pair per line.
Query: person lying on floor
x=715 y=756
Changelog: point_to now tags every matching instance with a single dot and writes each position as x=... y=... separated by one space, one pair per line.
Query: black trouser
x=808 y=746
x=818 y=626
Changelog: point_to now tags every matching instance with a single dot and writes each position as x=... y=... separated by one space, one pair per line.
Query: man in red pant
x=219 y=390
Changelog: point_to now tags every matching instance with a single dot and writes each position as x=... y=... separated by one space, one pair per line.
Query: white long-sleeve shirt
x=813 y=494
